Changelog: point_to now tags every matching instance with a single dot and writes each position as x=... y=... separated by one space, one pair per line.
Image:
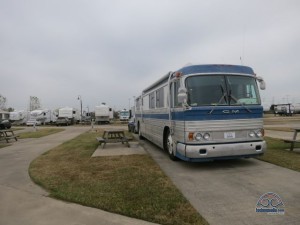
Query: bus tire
x=140 y=133
x=168 y=144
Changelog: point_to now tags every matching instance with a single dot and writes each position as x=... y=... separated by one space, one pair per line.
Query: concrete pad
x=115 y=149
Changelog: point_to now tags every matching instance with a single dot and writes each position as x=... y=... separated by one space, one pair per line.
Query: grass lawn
x=40 y=132
x=131 y=185
x=286 y=129
x=2 y=145
x=277 y=154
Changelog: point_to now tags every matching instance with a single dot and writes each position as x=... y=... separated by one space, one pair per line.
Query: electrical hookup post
x=270 y=203
x=34 y=127
x=92 y=123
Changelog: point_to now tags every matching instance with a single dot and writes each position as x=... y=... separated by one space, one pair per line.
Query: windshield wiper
x=222 y=97
x=231 y=97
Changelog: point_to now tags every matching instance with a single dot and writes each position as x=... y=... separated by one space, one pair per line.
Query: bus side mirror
x=262 y=83
x=182 y=95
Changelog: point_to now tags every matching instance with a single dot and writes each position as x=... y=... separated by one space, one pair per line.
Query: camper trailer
x=103 y=114
x=67 y=116
x=18 y=117
x=40 y=116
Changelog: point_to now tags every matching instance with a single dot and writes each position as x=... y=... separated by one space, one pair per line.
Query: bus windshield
x=222 y=90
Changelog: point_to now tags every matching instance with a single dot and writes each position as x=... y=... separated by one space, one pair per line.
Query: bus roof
x=216 y=68
x=208 y=68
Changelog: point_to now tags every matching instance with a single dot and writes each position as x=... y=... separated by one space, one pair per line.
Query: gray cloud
x=109 y=51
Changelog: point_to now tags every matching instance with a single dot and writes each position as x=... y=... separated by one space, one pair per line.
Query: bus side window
x=152 y=100
x=174 y=94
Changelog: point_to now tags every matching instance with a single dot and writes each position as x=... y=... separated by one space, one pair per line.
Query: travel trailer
x=41 y=116
x=18 y=117
x=103 y=114
x=71 y=114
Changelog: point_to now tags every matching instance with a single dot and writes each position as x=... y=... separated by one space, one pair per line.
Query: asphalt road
x=226 y=192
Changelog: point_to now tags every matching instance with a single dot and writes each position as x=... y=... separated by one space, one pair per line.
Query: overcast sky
x=109 y=51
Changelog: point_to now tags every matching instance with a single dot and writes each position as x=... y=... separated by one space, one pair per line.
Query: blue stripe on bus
x=195 y=114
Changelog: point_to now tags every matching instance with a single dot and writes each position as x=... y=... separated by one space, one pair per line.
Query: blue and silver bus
x=204 y=112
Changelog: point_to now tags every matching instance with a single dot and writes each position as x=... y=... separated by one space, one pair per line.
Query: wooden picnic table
x=7 y=135
x=294 y=140
x=113 y=136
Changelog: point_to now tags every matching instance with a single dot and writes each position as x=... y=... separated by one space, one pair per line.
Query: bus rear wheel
x=139 y=132
x=168 y=144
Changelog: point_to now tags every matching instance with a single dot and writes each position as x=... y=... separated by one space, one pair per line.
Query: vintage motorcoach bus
x=204 y=112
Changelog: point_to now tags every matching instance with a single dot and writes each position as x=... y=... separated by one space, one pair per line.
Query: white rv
x=40 y=116
x=72 y=114
x=284 y=109
x=18 y=117
x=103 y=114
x=124 y=115
x=296 y=108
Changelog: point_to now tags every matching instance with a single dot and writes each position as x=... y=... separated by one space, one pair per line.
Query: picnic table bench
x=294 y=140
x=7 y=135
x=113 y=136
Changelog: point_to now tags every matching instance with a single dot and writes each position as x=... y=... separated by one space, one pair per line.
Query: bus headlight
x=251 y=134
x=198 y=136
x=206 y=136
x=258 y=133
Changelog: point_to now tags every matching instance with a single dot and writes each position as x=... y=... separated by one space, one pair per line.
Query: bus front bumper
x=220 y=151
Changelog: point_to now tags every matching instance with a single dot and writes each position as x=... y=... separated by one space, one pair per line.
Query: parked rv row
x=65 y=116
x=44 y=116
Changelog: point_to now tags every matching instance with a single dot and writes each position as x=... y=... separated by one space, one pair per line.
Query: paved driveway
x=226 y=192
x=23 y=202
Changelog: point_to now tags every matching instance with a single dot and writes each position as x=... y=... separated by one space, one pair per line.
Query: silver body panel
x=218 y=146
x=221 y=150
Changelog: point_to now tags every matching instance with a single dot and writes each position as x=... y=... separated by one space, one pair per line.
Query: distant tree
x=10 y=109
x=34 y=103
x=2 y=102
x=116 y=115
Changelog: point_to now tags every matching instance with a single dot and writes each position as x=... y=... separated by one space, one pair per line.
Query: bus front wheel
x=168 y=143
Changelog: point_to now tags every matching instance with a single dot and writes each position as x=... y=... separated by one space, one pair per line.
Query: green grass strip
x=3 y=145
x=131 y=185
x=277 y=153
x=40 y=132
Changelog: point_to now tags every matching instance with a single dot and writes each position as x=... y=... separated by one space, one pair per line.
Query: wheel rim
x=170 y=144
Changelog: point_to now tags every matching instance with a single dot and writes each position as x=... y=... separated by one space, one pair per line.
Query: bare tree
x=34 y=103
x=2 y=102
